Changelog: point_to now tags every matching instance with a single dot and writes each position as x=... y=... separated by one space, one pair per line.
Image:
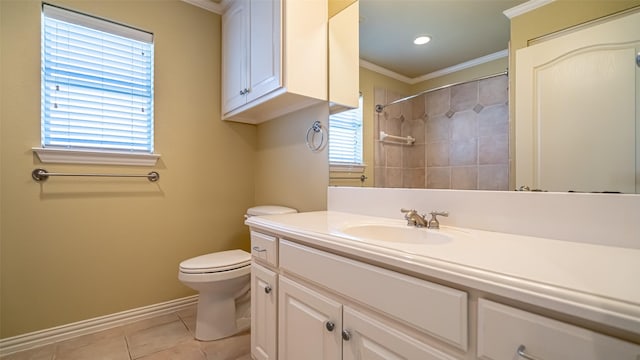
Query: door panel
x=576 y=118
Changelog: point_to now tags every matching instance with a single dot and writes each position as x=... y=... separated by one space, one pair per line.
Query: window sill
x=359 y=168
x=95 y=157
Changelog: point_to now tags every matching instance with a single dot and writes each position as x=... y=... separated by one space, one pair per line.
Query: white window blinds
x=345 y=137
x=97 y=84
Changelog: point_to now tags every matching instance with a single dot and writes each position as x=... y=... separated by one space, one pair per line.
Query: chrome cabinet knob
x=330 y=325
x=267 y=289
x=346 y=335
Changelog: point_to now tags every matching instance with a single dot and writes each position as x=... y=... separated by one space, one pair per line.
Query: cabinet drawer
x=264 y=247
x=435 y=309
x=503 y=329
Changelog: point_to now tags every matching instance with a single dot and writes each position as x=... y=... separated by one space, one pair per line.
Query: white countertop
x=594 y=282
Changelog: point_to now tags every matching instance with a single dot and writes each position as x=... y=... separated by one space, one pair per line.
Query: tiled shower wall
x=461 y=133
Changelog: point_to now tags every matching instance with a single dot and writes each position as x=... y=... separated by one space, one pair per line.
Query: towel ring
x=316 y=128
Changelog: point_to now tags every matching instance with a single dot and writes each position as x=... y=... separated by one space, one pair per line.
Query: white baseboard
x=68 y=331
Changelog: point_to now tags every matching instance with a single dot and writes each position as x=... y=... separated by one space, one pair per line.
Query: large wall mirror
x=444 y=117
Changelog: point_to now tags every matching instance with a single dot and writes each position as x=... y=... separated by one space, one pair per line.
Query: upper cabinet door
x=265 y=49
x=235 y=42
x=344 y=62
x=281 y=54
x=580 y=87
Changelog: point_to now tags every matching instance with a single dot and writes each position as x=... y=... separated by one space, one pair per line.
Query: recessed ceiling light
x=422 y=39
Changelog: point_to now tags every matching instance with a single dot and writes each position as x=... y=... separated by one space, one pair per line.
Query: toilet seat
x=216 y=262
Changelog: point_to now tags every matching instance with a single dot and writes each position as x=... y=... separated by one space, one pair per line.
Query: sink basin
x=396 y=234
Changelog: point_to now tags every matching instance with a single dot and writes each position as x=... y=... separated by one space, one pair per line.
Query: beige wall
x=73 y=249
x=287 y=172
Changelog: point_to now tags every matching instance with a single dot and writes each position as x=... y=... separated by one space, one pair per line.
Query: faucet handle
x=439 y=213
x=433 y=222
x=408 y=215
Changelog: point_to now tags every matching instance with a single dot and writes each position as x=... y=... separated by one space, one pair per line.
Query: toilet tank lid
x=218 y=261
x=270 y=210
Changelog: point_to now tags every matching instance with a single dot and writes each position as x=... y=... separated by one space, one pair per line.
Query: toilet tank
x=269 y=210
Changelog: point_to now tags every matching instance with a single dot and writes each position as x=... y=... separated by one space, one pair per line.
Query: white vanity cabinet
x=331 y=323
x=314 y=326
x=503 y=331
x=264 y=296
x=274 y=58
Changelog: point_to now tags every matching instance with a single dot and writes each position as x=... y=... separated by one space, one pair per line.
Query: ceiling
x=461 y=30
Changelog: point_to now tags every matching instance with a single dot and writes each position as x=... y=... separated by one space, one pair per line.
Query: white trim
x=386 y=72
x=525 y=8
x=67 y=156
x=68 y=331
x=465 y=65
x=412 y=81
x=207 y=5
x=335 y=167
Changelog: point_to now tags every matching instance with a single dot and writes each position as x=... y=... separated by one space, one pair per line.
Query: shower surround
x=461 y=138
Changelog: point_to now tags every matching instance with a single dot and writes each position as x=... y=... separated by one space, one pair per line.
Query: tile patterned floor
x=167 y=337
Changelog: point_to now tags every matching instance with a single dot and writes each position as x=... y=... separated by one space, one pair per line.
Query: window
x=97 y=85
x=345 y=137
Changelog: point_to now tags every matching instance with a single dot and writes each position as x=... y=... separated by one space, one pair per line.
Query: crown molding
x=412 y=81
x=208 y=5
x=384 y=71
x=465 y=65
x=525 y=8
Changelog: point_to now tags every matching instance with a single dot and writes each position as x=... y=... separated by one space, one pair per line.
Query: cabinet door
x=263 y=313
x=370 y=339
x=265 y=39
x=578 y=110
x=235 y=42
x=344 y=74
x=504 y=331
x=309 y=324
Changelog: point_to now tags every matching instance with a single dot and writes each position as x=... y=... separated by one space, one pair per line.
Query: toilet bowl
x=221 y=278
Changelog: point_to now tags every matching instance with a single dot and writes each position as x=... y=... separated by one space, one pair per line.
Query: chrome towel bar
x=42 y=175
x=361 y=178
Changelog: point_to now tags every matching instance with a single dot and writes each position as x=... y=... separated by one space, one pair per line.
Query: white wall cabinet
x=344 y=62
x=274 y=58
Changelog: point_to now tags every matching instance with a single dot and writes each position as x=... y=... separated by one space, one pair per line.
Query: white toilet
x=223 y=281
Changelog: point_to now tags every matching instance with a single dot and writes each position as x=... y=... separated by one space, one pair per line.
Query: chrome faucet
x=413 y=218
x=417 y=220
